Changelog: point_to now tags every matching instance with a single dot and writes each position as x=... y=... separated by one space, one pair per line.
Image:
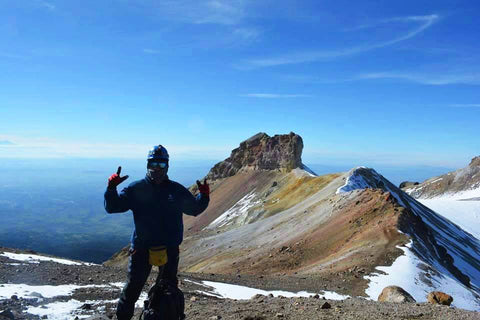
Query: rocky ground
x=101 y=287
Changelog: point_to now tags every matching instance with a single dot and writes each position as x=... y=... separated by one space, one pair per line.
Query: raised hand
x=203 y=188
x=115 y=179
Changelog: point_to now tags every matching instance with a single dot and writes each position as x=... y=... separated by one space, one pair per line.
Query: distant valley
x=56 y=206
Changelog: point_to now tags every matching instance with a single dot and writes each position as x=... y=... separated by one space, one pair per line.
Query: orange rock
x=437 y=297
x=388 y=196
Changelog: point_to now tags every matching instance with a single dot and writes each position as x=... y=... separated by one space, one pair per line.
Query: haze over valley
x=56 y=206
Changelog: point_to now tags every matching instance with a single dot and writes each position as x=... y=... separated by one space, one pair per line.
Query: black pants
x=138 y=272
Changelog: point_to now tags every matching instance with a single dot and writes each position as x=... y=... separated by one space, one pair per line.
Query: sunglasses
x=157 y=165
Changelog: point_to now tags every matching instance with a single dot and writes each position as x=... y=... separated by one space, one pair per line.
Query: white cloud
x=390 y=20
x=275 y=96
x=433 y=78
x=43 y=147
x=247 y=34
x=311 y=56
x=225 y=12
x=465 y=105
x=151 y=51
x=47 y=5
x=228 y=15
x=311 y=79
x=222 y=12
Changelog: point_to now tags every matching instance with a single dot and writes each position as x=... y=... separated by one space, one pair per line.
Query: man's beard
x=157 y=176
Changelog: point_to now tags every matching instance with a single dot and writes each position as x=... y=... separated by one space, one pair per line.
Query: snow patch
x=233 y=291
x=300 y=173
x=61 y=309
x=141 y=300
x=409 y=273
x=309 y=171
x=410 y=190
x=34 y=258
x=439 y=179
x=47 y=291
x=67 y=309
x=358 y=180
x=238 y=211
x=119 y=285
x=354 y=181
x=58 y=310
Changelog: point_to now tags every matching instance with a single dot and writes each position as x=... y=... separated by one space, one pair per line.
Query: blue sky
x=388 y=82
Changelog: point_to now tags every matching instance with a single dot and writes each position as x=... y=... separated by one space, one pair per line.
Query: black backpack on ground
x=165 y=302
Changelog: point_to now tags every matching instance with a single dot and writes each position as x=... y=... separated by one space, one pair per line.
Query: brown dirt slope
x=226 y=192
x=274 y=192
x=344 y=237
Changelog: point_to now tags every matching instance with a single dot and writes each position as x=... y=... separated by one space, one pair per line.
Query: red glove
x=204 y=188
x=115 y=179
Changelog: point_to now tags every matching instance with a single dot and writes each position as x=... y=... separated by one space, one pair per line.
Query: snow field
x=457 y=208
x=465 y=214
x=407 y=272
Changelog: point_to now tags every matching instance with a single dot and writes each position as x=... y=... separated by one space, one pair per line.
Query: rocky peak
x=262 y=152
x=475 y=162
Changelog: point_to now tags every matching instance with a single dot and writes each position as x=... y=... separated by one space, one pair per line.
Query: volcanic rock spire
x=262 y=152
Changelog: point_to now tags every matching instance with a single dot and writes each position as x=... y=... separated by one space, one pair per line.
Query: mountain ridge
x=461 y=180
x=279 y=226
x=284 y=221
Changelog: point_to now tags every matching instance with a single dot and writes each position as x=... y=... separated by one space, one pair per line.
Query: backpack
x=165 y=302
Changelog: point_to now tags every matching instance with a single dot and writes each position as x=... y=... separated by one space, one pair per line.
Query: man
x=157 y=204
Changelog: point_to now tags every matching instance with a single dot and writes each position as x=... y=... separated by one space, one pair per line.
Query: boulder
x=395 y=294
x=437 y=297
x=408 y=184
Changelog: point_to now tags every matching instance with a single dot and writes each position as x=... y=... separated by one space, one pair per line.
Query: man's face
x=157 y=170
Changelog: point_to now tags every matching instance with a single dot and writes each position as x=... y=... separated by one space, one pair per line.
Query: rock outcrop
x=262 y=152
x=475 y=162
x=438 y=297
x=395 y=294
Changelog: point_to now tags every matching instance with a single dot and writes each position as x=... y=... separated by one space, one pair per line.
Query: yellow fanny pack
x=157 y=256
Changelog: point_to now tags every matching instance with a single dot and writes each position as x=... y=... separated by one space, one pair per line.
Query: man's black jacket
x=157 y=210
